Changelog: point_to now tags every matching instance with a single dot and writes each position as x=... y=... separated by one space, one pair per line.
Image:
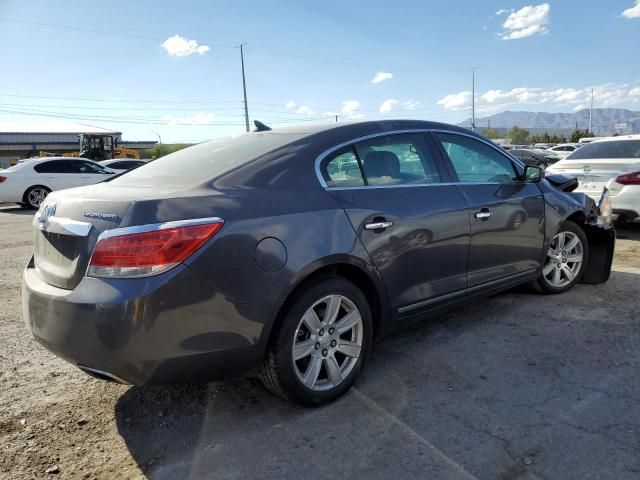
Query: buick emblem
x=587 y=169
x=47 y=212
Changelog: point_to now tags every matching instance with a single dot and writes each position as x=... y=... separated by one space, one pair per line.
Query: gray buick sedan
x=284 y=253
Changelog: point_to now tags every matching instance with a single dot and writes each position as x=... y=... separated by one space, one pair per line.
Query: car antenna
x=261 y=127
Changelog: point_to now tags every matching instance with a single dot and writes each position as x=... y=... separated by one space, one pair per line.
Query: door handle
x=378 y=225
x=483 y=214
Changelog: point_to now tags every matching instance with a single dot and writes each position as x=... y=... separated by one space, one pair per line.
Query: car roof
x=618 y=138
x=377 y=125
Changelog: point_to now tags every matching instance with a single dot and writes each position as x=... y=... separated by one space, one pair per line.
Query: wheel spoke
x=546 y=270
x=347 y=322
x=575 y=257
x=303 y=349
x=560 y=244
x=551 y=252
x=573 y=243
x=349 y=348
x=568 y=272
x=313 y=370
x=333 y=370
x=311 y=320
x=333 y=307
x=556 y=276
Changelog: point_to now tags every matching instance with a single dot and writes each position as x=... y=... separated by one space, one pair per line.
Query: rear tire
x=565 y=259
x=34 y=196
x=314 y=357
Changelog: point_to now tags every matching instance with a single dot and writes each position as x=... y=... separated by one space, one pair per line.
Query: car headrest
x=381 y=164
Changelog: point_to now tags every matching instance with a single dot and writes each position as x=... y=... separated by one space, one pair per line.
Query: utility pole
x=336 y=118
x=244 y=88
x=473 y=99
x=591 y=113
x=488 y=124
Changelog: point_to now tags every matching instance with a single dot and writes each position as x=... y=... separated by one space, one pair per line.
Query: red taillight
x=148 y=253
x=3 y=179
x=632 y=178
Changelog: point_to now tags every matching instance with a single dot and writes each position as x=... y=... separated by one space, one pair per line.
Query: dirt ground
x=515 y=386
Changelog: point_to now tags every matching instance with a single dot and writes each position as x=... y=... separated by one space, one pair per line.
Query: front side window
x=397 y=160
x=342 y=169
x=474 y=161
x=88 y=167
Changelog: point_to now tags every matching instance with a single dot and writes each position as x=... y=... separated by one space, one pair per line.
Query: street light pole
x=244 y=88
x=159 y=137
x=591 y=114
x=473 y=99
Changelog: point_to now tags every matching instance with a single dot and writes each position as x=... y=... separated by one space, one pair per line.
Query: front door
x=507 y=215
x=414 y=226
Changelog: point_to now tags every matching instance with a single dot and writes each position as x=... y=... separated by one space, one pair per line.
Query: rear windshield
x=609 y=149
x=205 y=160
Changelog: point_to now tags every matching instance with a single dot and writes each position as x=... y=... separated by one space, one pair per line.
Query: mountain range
x=606 y=121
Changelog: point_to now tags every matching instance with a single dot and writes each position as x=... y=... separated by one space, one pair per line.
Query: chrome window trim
x=152 y=227
x=331 y=150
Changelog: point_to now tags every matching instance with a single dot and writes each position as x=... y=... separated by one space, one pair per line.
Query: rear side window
x=397 y=160
x=342 y=169
x=476 y=162
x=54 y=166
x=609 y=149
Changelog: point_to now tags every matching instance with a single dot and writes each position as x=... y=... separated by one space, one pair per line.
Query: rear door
x=507 y=215
x=413 y=223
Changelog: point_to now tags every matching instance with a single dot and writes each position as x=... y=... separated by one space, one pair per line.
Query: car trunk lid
x=66 y=230
x=592 y=173
x=66 y=234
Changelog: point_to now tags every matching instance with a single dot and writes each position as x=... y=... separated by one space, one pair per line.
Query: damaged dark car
x=284 y=253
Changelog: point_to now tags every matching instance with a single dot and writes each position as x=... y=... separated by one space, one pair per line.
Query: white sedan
x=613 y=163
x=30 y=181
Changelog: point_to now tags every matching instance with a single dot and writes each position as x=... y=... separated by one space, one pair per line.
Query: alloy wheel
x=327 y=343
x=564 y=259
x=36 y=196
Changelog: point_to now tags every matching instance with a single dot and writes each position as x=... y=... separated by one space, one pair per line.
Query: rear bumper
x=167 y=329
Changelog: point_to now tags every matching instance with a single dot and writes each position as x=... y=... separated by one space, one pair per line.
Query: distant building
x=28 y=140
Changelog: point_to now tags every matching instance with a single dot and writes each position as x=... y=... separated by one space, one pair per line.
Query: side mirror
x=533 y=174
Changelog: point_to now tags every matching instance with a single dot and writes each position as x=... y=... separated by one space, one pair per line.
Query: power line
x=122 y=100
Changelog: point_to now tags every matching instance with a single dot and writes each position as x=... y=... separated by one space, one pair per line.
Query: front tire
x=565 y=259
x=34 y=197
x=321 y=345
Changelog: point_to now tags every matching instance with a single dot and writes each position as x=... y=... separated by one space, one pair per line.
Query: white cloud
x=290 y=104
x=387 y=105
x=577 y=108
x=197 y=119
x=529 y=20
x=349 y=107
x=305 y=110
x=181 y=47
x=633 y=12
x=455 y=100
x=411 y=105
x=381 y=77
x=503 y=11
x=607 y=95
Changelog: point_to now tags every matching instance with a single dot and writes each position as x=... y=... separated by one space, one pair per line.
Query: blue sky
x=308 y=61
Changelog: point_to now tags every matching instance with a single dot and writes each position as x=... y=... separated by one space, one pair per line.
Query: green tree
x=517 y=135
x=491 y=133
x=163 y=149
x=578 y=134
